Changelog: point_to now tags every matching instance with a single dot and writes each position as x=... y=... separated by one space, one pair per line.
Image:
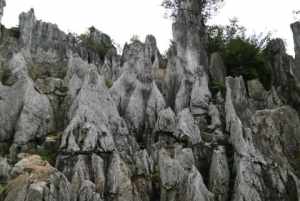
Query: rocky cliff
x=80 y=124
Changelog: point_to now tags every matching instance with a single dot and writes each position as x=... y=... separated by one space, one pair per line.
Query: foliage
x=218 y=36
x=48 y=152
x=134 y=38
x=47 y=155
x=242 y=54
x=155 y=176
x=296 y=162
x=109 y=83
x=14 y=32
x=2 y=188
x=205 y=8
x=100 y=47
x=218 y=86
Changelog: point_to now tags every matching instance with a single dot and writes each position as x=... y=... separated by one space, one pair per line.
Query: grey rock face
x=27 y=21
x=186 y=130
x=5 y=169
x=139 y=127
x=166 y=121
x=282 y=64
x=186 y=74
x=283 y=123
x=111 y=69
x=261 y=98
x=217 y=69
x=89 y=153
x=35 y=179
x=44 y=44
x=2 y=5
x=219 y=175
x=48 y=49
x=93 y=123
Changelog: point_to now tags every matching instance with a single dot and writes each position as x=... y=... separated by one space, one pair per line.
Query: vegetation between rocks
x=242 y=54
x=101 y=47
x=109 y=83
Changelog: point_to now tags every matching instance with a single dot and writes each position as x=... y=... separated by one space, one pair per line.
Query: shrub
x=242 y=55
x=45 y=154
x=101 y=47
x=218 y=86
x=109 y=83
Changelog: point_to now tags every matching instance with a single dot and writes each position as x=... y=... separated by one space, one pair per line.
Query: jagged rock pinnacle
x=79 y=122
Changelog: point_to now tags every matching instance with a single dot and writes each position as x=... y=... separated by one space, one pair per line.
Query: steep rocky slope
x=158 y=133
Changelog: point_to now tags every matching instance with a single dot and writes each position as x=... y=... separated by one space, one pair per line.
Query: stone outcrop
x=296 y=33
x=135 y=93
x=219 y=175
x=186 y=76
x=284 y=70
x=2 y=5
x=254 y=139
x=217 y=69
x=26 y=115
x=79 y=122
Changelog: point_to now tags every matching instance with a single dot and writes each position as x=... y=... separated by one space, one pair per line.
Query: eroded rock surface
x=79 y=122
x=2 y=5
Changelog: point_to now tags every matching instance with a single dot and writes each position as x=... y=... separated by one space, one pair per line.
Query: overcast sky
x=122 y=19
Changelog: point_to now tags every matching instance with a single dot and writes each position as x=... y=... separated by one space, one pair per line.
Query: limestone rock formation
x=217 y=69
x=35 y=179
x=219 y=175
x=26 y=115
x=296 y=33
x=285 y=75
x=2 y=5
x=187 y=76
x=256 y=178
x=79 y=122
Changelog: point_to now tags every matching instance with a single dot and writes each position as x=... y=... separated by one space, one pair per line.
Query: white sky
x=263 y=16
x=122 y=19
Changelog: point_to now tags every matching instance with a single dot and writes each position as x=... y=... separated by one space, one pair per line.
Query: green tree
x=101 y=47
x=206 y=8
x=242 y=54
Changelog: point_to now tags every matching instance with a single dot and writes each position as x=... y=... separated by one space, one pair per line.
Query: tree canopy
x=206 y=8
x=242 y=54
